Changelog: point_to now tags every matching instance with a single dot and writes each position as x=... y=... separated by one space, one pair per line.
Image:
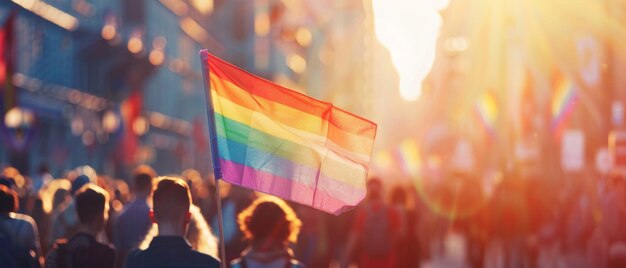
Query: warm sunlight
x=409 y=30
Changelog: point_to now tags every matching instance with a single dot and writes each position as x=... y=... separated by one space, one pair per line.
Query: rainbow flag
x=564 y=100
x=281 y=142
x=487 y=110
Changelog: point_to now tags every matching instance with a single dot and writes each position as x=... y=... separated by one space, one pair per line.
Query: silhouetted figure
x=171 y=202
x=375 y=231
x=41 y=179
x=83 y=250
x=19 y=240
x=269 y=224
x=132 y=225
x=64 y=218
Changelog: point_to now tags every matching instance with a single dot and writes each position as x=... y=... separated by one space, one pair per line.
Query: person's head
x=92 y=206
x=171 y=201
x=8 y=200
x=269 y=219
x=142 y=179
x=78 y=183
x=374 y=189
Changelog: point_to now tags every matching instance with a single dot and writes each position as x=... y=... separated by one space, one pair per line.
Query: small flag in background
x=8 y=98
x=281 y=142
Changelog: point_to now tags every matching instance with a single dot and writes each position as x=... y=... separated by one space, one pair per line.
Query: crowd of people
x=85 y=219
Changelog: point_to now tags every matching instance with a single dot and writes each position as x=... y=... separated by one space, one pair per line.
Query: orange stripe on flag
x=229 y=94
x=260 y=87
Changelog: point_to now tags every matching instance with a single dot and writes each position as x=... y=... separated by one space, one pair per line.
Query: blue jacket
x=170 y=251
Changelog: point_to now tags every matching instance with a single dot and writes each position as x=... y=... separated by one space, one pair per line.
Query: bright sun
x=409 y=29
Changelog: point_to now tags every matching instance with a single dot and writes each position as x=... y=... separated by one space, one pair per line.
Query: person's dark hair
x=91 y=202
x=171 y=199
x=8 y=200
x=269 y=217
x=142 y=178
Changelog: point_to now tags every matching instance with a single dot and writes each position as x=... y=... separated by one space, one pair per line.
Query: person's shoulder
x=106 y=247
x=204 y=258
x=22 y=218
x=82 y=240
x=132 y=209
x=134 y=257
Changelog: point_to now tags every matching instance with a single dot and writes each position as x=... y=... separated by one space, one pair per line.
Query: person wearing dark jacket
x=83 y=250
x=171 y=204
x=132 y=225
x=19 y=241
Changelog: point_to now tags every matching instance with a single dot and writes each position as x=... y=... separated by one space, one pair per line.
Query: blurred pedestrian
x=64 y=218
x=82 y=249
x=313 y=248
x=408 y=251
x=51 y=196
x=171 y=203
x=132 y=225
x=41 y=179
x=375 y=232
x=270 y=225
x=19 y=238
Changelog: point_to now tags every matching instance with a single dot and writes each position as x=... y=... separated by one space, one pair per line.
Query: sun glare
x=409 y=30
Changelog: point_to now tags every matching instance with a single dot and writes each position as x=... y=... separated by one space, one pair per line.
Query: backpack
x=376 y=237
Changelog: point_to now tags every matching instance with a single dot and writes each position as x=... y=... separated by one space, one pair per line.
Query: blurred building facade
x=549 y=115
x=109 y=83
x=114 y=84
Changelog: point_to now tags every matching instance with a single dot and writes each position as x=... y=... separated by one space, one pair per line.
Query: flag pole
x=217 y=170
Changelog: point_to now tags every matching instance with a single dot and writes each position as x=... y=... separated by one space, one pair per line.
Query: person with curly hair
x=270 y=225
